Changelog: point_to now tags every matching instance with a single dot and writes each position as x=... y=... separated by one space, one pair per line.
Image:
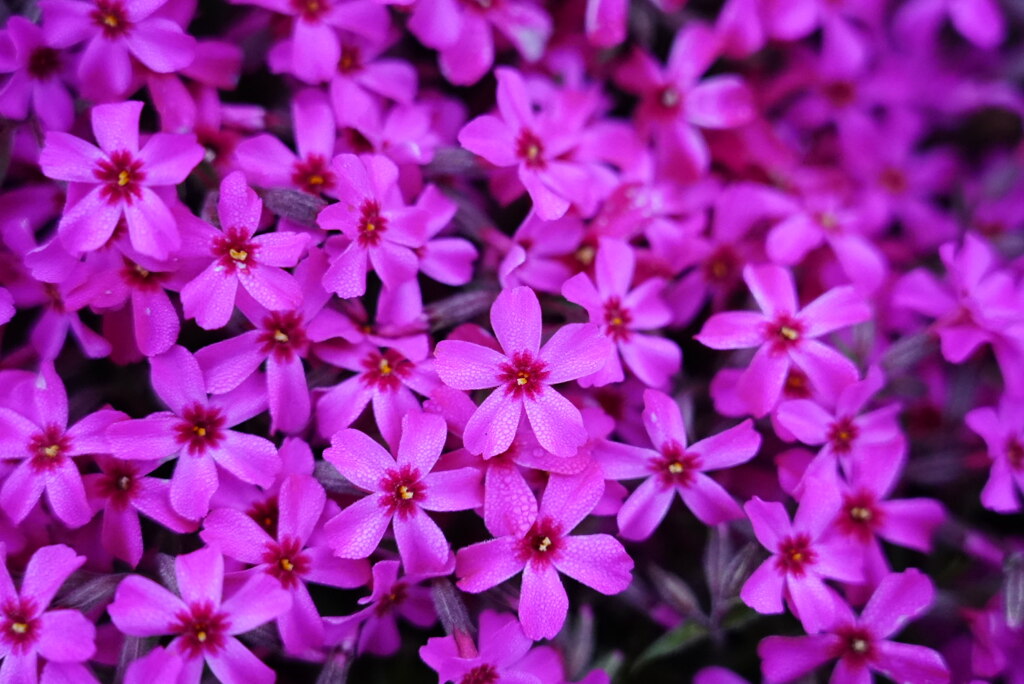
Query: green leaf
x=678 y=640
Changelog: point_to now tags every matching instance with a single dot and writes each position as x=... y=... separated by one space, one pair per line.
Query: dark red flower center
x=371 y=224
x=530 y=149
x=542 y=543
x=201 y=428
x=119 y=484
x=616 y=320
x=391 y=600
x=841 y=435
x=784 y=332
x=43 y=63
x=286 y=561
x=121 y=175
x=311 y=10
x=481 y=5
x=110 y=16
x=401 y=489
x=893 y=180
x=49 y=449
x=283 y=335
x=19 y=624
x=235 y=250
x=795 y=554
x=265 y=514
x=351 y=59
x=670 y=99
x=721 y=266
x=797 y=385
x=385 y=371
x=481 y=674
x=141 y=278
x=676 y=467
x=1015 y=454
x=313 y=174
x=523 y=375
x=860 y=515
x=202 y=628
x=855 y=644
x=841 y=93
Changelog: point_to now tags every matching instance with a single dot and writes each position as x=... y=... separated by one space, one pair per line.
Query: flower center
x=311 y=10
x=111 y=17
x=524 y=375
x=283 y=335
x=265 y=514
x=351 y=59
x=784 y=332
x=481 y=674
x=401 y=488
x=795 y=554
x=313 y=174
x=841 y=435
x=371 y=224
x=616 y=320
x=43 y=63
x=48 y=449
x=286 y=561
x=797 y=385
x=203 y=629
x=234 y=250
x=121 y=175
x=855 y=643
x=670 y=98
x=894 y=180
x=676 y=467
x=19 y=625
x=841 y=93
x=201 y=428
x=542 y=543
x=530 y=149
x=1015 y=454
x=391 y=600
x=385 y=371
x=862 y=515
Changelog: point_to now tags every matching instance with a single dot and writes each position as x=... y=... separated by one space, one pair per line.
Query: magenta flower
x=502 y=647
x=240 y=257
x=289 y=557
x=204 y=623
x=785 y=336
x=523 y=376
x=1003 y=432
x=673 y=467
x=535 y=145
x=862 y=643
x=196 y=429
x=381 y=229
x=29 y=632
x=622 y=312
x=119 y=179
x=122 y=491
x=37 y=435
x=377 y=623
x=401 y=488
x=800 y=560
x=117 y=31
x=36 y=78
x=539 y=545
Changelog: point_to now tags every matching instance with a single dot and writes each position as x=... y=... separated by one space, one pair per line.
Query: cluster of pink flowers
x=398 y=325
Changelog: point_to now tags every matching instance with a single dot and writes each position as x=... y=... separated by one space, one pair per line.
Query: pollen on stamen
x=286 y=565
x=52 y=450
x=675 y=468
x=789 y=333
x=238 y=254
x=124 y=178
x=280 y=336
x=404 y=492
x=19 y=627
x=860 y=513
x=859 y=646
x=544 y=544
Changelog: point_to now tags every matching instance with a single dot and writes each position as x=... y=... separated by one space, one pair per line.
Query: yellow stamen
x=370 y=226
x=585 y=255
x=675 y=468
x=287 y=565
x=788 y=332
x=404 y=492
x=200 y=636
x=238 y=254
x=860 y=513
x=616 y=321
x=384 y=367
x=316 y=180
x=522 y=379
x=19 y=627
x=280 y=336
x=52 y=450
x=545 y=543
x=859 y=645
x=124 y=177
x=141 y=271
x=123 y=482
x=199 y=430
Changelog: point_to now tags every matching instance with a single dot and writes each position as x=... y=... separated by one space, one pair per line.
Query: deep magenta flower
x=785 y=336
x=35 y=432
x=29 y=632
x=502 y=647
x=239 y=257
x=203 y=622
x=1003 y=432
x=540 y=546
x=289 y=556
x=117 y=31
x=402 y=488
x=622 y=311
x=36 y=80
x=382 y=231
x=673 y=467
x=862 y=644
x=800 y=559
x=120 y=179
x=196 y=430
x=523 y=374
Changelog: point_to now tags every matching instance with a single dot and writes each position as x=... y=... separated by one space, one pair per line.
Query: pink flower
x=539 y=545
x=289 y=556
x=502 y=647
x=196 y=430
x=401 y=489
x=534 y=144
x=120 y=180
x=203 y=623
x=861 y=643
x=523 y=376
x=37 y=435
x=36 y=79
x=785 y=336
x=117 y=31
x=623 y=311
x=239 y=257
x=28 y=631
x=800 y=560
x=380 y=228
x=675 y=468
x=1003 y=432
